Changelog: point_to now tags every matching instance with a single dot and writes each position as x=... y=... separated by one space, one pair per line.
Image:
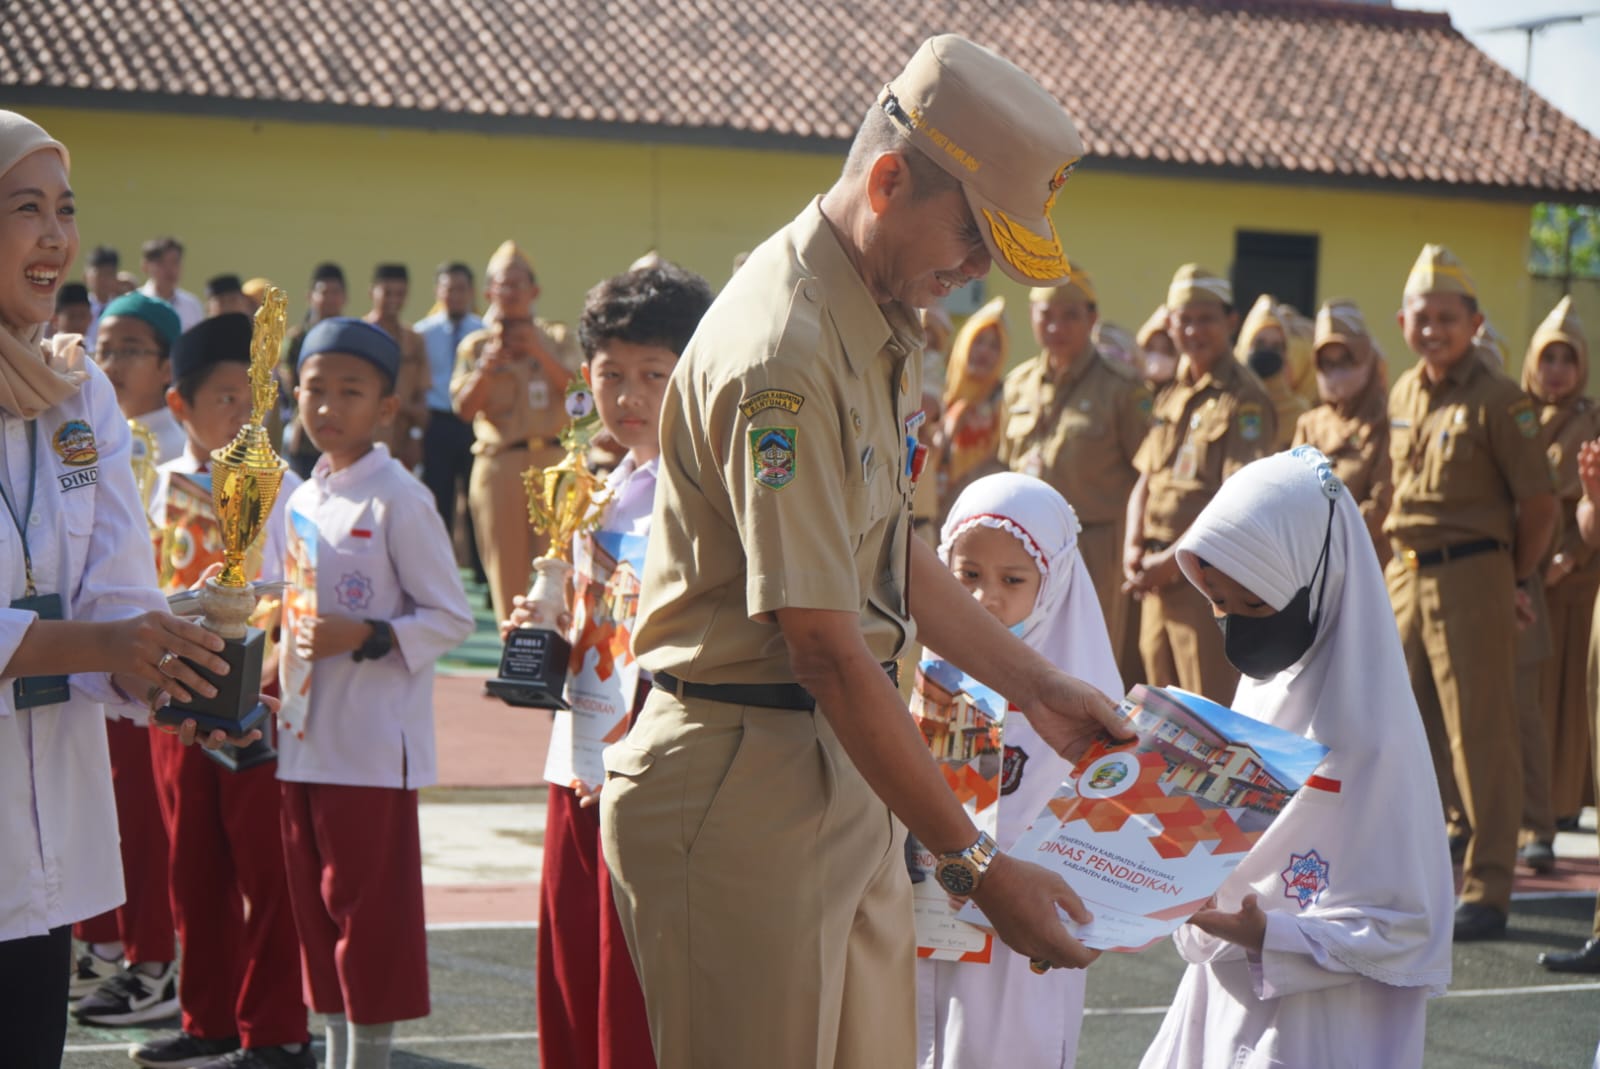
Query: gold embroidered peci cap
x=1077 y=288
x=989 y=124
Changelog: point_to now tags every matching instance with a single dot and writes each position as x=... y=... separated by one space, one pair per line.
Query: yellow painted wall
x=274 y=198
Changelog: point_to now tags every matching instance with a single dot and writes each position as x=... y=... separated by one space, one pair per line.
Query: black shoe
x=181 y=1051
x=266 y=1058
x=1458 y=845
x=1586 y=960
x=1540 y=857
x=131 y=997
x=1572 y=823
x=1474 y=920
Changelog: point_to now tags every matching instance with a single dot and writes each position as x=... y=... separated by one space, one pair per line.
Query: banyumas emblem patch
x=772 y=455
x=787 y=400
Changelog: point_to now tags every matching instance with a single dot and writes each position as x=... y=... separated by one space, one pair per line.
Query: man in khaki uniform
x=391 y=284
x=1474 y=508
x=510 y=382
x=1211 y=421
x=746 y=818
x=1076 y=418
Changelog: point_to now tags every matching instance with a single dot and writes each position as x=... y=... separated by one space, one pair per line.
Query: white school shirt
x=187 y=305
x=172 y=441
x=382 y=554
x=59 y=861
x=274 y=544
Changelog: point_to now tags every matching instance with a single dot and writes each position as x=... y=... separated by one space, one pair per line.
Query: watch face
x=956 y=878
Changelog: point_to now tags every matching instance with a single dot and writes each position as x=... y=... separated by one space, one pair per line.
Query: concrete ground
x=482 y=829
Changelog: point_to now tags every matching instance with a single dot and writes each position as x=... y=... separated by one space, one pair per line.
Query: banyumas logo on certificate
x=1147 y=830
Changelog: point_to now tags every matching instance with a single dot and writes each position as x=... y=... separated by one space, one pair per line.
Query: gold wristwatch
x=960 y=873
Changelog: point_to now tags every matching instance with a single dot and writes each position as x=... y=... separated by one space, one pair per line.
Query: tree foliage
x=1565 y=241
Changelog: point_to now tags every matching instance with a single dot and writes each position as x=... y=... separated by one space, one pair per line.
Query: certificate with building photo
x=962 y=721
x=1146 y=830
x=602 y=677
x=299 y=603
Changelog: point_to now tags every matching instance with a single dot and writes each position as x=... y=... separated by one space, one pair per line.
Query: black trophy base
x=533 y=669
x=242 y=758
x=237 y=707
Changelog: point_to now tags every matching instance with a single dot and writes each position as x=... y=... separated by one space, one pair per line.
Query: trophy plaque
x=245 y=477
x=563 y=501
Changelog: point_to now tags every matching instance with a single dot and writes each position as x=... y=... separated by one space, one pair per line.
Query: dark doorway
x=1284 y=265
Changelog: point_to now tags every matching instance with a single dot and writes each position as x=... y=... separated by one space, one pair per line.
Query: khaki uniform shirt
x=411 y=386
x=1562 y=430
x=1358 y=445
x=1202 y=434
x=525 y=408
x=1078 y=432
x=1465 y=452
x=783 y=480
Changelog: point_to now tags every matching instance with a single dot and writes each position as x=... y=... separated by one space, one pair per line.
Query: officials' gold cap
x=1078 y=288
x=506 y=255
x=1340 y=320
x=1438 y=271
x=1194 y=283
x=987 y=123
x=1562 y=324
x=1156 y=324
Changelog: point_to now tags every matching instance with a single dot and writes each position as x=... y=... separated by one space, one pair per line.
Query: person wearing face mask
x=1160 y=359
x=1351 y=425
x=1555 y=373
x=970 y=436
x=1323 y=947
x=1075 y=418
x=1272 y=345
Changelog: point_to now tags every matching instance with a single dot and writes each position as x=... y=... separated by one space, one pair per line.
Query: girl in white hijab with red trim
x=1324 y=945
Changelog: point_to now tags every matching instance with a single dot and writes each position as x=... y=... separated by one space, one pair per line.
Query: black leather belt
x=1433 y=557
x=762 y=695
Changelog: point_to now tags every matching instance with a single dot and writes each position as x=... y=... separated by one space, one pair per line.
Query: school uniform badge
x=74 y=443
x=354 y=591
x=1306 y=877
x=772 y=455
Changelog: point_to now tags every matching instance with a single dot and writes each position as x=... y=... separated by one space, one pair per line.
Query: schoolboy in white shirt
x=388 y=604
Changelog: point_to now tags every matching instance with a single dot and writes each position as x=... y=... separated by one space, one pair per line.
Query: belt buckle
x=1410 y=557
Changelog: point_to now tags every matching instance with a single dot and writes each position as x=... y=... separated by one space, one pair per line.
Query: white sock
x=106 y=951
x=369 y=1046
x=335 y=1033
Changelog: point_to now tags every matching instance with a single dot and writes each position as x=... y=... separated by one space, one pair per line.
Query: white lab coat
x=382 y=554
x=89 y=542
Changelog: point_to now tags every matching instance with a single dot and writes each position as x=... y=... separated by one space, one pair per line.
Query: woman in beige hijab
x=83 y=634
x=973 y=398
x=1351 y=425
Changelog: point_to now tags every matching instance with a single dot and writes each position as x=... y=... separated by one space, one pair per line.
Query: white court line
x=400 y=1042
x=1485 y=992
x=481 y=926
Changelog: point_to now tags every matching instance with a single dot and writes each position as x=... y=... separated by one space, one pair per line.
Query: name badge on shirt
x=29 y=692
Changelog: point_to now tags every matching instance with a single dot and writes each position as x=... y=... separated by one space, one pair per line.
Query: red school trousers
x=143 y=923
x=230 y=898
x=591 y=1007
x=354 y=857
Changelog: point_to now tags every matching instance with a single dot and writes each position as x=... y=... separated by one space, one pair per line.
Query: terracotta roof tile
x=1312 y=88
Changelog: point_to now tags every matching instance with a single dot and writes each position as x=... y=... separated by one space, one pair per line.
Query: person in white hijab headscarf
x=973 y=1015
x=1342 y=929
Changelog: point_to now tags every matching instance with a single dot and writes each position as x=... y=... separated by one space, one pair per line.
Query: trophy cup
x=563 y=501
x=245 y=477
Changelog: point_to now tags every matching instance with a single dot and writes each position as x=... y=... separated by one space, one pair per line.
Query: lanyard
x=20 y=521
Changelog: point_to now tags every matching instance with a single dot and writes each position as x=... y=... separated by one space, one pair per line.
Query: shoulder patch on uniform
x=1526 y=418
x=772 y=455
x=1146 y=405
x=787 y=400
x=74 y=443
x=1249 y=419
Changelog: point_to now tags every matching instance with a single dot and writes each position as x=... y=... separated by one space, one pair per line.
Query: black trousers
x=446 y=460
x=34 y=974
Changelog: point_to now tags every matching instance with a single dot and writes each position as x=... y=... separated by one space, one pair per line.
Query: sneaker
x=91 y=971
x=181 y=1051
x=266 y=1058
x=131 y=997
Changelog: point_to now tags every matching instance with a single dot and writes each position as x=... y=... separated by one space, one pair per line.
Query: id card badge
x=29 y=692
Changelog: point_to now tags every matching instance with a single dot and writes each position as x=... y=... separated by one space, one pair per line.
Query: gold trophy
x=245 y=477
x=564 y=501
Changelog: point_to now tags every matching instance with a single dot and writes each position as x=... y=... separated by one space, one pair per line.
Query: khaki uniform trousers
x=1533 y=654
x=498 y=501
x=1182 y=645
x=1563 y=691
x=1100 y=544
x=1457 y=627
x=1592 y=692
x=762 y=888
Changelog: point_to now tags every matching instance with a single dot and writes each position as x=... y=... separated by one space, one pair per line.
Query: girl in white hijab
x=1325 y=944
x=1013 y=541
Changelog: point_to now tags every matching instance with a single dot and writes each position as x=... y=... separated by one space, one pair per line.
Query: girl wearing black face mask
x=1338 y=922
